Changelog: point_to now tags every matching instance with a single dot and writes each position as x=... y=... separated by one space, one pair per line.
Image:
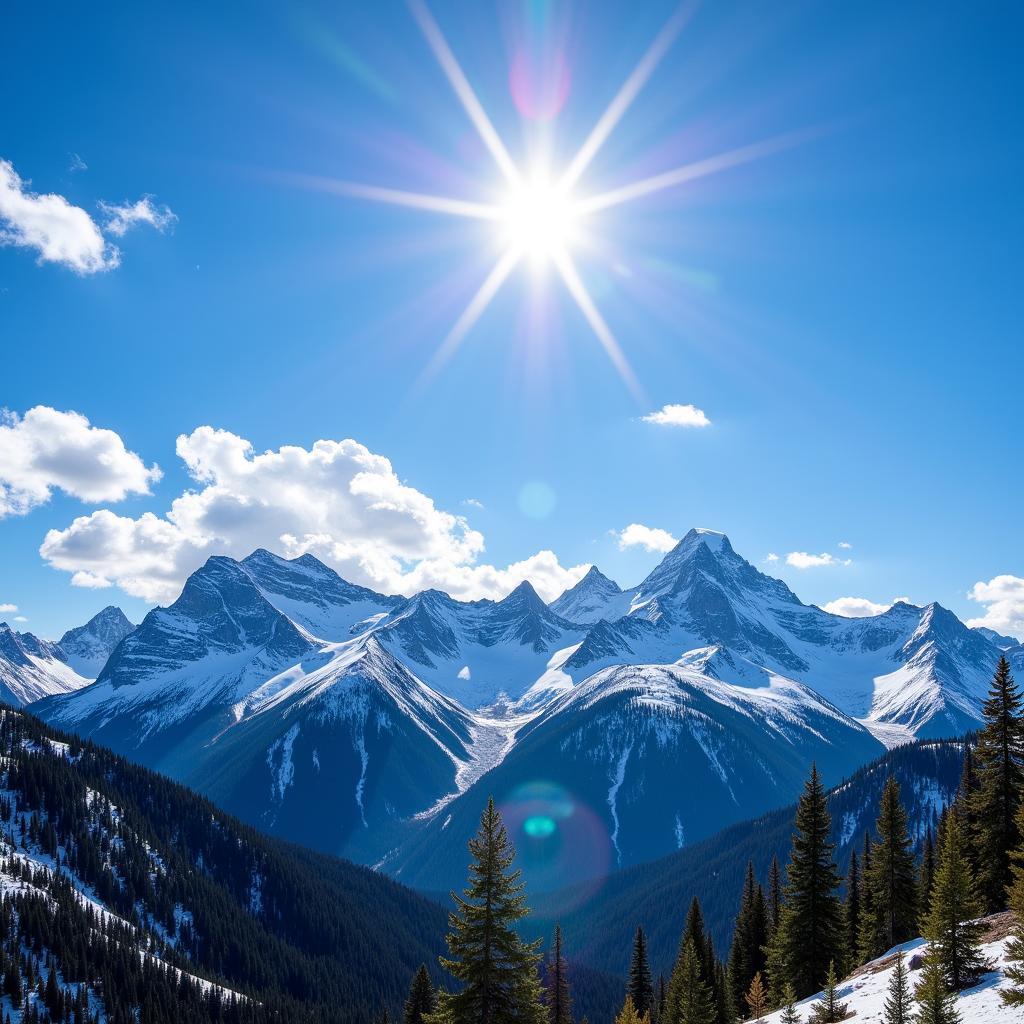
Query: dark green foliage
x=556 y=989
x=750 y=935
x=495 y=968
x=852 y=912
x=1000 y=757
x=1014 y=970
x=936 y=1004
x=898 y=1003
x=641 y=983
x=953 y=936
x=689 y=998
x=422 y=999
x=773 y=898
x=891 y=880
x=295 y=933
x=926 y=876
x=810 y=935
x=830 y=1010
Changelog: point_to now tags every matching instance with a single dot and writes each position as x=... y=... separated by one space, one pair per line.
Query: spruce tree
x=750 y=936
x=421 y=1001
x=496 y=969
x=953 y=936
x=1000 y=757
x=898 y=1001
x=557 y=995
x=789 y=1014
x=935 y=1003
x=641 y=984
x=1014 y=971
x=689 y=996
x=662 y=998
x=773 y=898
x=628 y=1014
x=811 y=932
x=893 y=879
x=927 y=874
x=830 y=1010
x=852 y=912
x=756 y=998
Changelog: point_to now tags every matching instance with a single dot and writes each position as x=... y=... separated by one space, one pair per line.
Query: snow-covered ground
x=865 y=992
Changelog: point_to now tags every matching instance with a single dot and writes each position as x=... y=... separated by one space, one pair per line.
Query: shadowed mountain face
x=618 y=724
x=88 y=647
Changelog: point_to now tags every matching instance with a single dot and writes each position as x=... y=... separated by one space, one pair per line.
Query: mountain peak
x=713 y=540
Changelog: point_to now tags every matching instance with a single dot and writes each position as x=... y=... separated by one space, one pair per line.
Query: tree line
x=798 y=934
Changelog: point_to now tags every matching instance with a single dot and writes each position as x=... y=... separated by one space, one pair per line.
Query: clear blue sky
x=846 y=310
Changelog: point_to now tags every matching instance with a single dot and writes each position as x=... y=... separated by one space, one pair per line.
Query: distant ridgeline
x=121 y=889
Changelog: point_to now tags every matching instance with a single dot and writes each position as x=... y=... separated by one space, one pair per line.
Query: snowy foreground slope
x=865 y=992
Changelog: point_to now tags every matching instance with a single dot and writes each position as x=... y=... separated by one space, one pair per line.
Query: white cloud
x=59 y=231
x=860 y=607
x=7 y=608
x=337 y=500
x=473 y=503
x=76 y=163
x=20 y=618
x=678 y=416
x=650 y=538
x=47 y=449
x=845 y=545
x=803 y=560
x=123 y=216
x=771 y=557
x=1003 y=597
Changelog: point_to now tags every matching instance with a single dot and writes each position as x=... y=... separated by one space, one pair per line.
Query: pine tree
x=789 y=1014
x=774 y=896
x=756 y=998
x=497 y=970
x=689 y=996
x=852 y=912
x=811 y=933
x=750 y=936
x=1014 y=970
x=927 y=875
x=830 y=1009
x=628 y=1014
x=641 y=984
x=953 y=936
x=893 y=879
x=897 y=1003
x=558 y=997
x=421 y=1001
x=1000 y=757
x=936 y=1004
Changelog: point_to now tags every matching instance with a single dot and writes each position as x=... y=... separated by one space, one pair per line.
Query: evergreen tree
x=852 y=912
x=558 y=997
x=641 y=984
x=749 y=938
x=810 y=932
x=789 y=1014
x=628 y=1014
x=1014 y=970
x=774 y=896
x=496 y=969
x=689 y=997
x=893 y=879
x=927 y=875
x=756 y=998
x=421 y=1000
x=936 y=1004
x=830 y=1009
x=662 y=998
x=953 y=937
x=1000 y=757
x=897 y=1003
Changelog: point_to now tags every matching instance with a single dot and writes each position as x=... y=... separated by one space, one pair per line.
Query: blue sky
x=845 y=309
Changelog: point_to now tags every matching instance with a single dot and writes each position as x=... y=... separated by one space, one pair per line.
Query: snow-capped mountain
x=1003 y=642
x=31 y=669
x=664 y=711
x=87 y=648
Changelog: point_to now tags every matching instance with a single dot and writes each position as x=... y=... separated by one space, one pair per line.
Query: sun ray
x=688 y=172
x=401 y=197
x=480 y=301
x=464 y=91
x=626 y=94
x=578 y=290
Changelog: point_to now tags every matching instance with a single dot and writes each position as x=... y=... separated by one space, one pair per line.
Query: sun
x=540 y=220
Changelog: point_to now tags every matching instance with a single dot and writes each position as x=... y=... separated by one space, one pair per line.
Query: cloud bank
x=1003 y=597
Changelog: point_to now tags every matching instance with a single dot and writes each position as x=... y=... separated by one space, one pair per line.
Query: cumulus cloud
x=121 y=217
x=7 y=608
x=1003 y=597
x=860 y=607
x=845 y=545
x=650 y=538
x=337 y=500
x=771 y=557
x=57 y=230
x=803 y=560
x=47 y=449
x=678 y=416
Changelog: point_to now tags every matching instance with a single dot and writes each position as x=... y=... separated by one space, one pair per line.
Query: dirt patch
x=998 y=926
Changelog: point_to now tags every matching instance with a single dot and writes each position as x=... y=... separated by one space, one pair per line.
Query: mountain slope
x=302 y=936
x=31 y=669
x=87 y=648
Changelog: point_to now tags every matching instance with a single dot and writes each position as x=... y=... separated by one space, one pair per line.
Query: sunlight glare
x=539 y=219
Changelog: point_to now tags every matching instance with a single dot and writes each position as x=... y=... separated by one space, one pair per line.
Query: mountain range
x=612 y=725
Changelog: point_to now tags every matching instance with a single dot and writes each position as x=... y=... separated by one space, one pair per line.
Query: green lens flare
x=539 y=826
